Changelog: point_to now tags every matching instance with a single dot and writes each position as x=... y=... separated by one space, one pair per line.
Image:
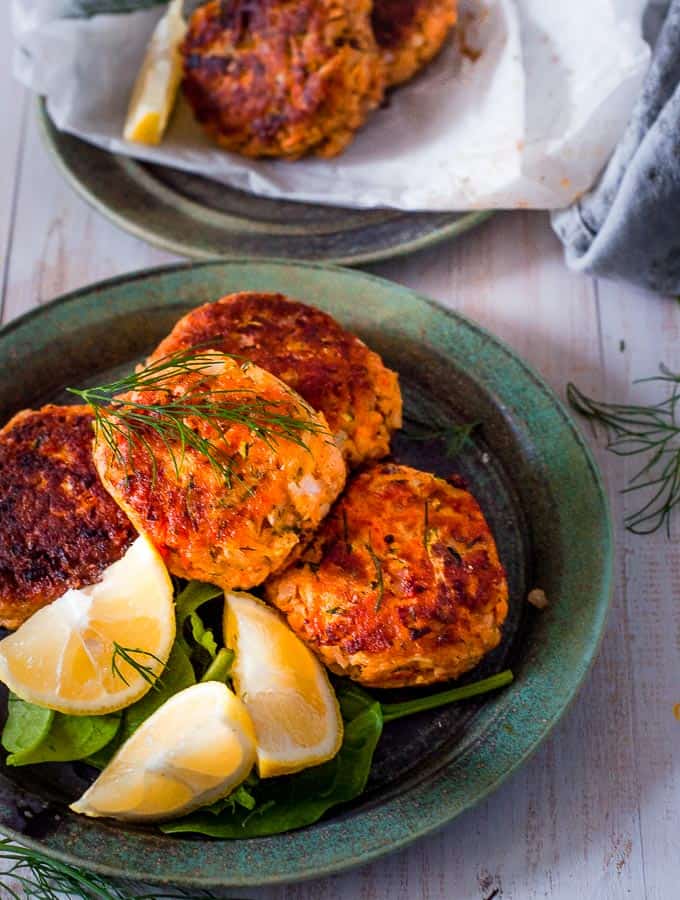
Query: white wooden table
x=595 y=814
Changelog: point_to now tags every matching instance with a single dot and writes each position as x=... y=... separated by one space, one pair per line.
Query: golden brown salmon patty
x=330 y=368
x=235 y=511
x=282 y=77
x=401 y=585
x=410 y=33
x=59 y=528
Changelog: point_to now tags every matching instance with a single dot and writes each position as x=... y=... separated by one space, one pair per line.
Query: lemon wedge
x=195 y=749
x=155 y=90
x=284 y=687
x=73 y=655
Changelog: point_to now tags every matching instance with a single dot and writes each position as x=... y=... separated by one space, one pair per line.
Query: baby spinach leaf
x=293 y=801
x=194 y=637
x=240 y=797
x=194 y=595
x=220 y=667
x=67 y=738
x=177 y=675
x=202 y=636
x=392 y=711
x=26 y=726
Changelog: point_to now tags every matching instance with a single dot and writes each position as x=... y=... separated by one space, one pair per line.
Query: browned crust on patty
x=330 y=368
x=410 y=33
x=401 y=585
x=282 y=77
x=232 y=531
x=59 y=528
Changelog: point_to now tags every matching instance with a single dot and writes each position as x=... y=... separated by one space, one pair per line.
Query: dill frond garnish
x=426 y=526
x=345 y=531
x=132 y=423
x=651 y=432
x=41 y=878
x=378 y=577
x=127 y=654
x=454 y=436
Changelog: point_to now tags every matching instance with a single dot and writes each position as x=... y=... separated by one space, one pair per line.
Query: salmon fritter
x=401 y=585
x=59 y=528
x=410 y=33
x=330 y=368
x=230 y=498
x=282 y=78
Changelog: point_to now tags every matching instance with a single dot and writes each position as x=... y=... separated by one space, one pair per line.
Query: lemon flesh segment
x=197 y=748
x=63 y=656
x=284 y=687
x=155 y=90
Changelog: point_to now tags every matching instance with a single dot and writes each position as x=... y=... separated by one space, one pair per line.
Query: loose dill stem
x=126 y=654
x=43 y=878
x=426 y=525
x=345 y=530
x=133 y=422
x=379 y=577
x=392 y=711
x=454 y=436
x=651 y=432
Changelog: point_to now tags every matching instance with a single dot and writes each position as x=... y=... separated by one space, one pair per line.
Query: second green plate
x=202 y=219
x=535 y=481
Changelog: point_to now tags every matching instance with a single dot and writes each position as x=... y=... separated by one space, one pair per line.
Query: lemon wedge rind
x=64 y=657
x=153 y=96
x=284 y=688
x=195 y=749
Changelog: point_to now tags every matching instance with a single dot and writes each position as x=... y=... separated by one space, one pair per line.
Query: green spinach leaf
x=220 y=667
x=392 y=711
x=293 y=801
x=26 y=726
x=66 y=738
x=197 y=641
x=177 y=675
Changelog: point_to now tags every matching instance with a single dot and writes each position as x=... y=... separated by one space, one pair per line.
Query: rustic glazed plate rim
x=405 y=805
x=132 y=224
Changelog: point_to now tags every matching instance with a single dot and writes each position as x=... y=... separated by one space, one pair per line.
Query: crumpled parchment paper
x=528 y=124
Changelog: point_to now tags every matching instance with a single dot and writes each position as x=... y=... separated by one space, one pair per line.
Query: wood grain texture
x=596 y=812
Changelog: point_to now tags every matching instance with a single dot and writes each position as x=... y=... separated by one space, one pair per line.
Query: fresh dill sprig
x=651 y=432
x=426 y=526
x=345 y=530
x=454 y=436
x=38 y=877
x=132 y=423
x=125 y=654
x=379 y=577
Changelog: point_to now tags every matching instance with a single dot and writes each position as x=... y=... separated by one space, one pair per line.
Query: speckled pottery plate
x=534 y=478
x=185 y=214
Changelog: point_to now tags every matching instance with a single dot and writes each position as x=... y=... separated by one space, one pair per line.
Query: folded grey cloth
x=628 y=225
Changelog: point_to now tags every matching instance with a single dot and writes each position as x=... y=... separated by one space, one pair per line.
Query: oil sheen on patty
x=401 y=585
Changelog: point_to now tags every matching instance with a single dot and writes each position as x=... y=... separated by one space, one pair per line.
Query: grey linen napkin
x=628 y=225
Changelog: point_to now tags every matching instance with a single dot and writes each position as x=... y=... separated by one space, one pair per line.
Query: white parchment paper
x=530 y=123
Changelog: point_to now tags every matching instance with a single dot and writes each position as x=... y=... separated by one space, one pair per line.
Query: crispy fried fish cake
x=330 y=368
x=59 y=528
x=410 y=33
x=401 y=585
x=282 y=77
x=236 y=510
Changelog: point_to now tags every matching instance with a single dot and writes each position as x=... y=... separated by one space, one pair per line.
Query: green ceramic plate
x=534 y=478
x=187 y=215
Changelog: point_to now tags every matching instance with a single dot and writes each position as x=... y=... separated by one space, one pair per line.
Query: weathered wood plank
x=639 y=331
x=60 y=243
x=13 y=103
x=596 y=812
